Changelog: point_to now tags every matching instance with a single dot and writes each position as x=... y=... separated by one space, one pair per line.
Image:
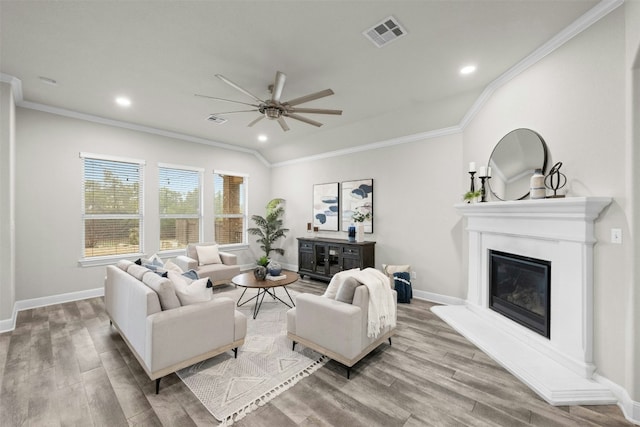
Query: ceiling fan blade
x=310 y=97
x=315 y=111
x=227 y=100
x=303 y=119
x=260 y=117
x=283 y=124
x=235 y=86
x=229 y=112
x=278 y=85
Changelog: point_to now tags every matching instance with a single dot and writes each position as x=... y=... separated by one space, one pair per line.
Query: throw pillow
x=191 y=293
x=191 y=274
x=170 y=265
x=390 y=269
x=347 y=290
x=208 y=255
x=402 y=284
x=165 y=290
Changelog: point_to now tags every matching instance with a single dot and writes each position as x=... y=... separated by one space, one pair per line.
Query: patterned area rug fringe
x=274 y=392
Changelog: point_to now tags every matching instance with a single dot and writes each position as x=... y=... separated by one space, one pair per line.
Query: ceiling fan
x=274 y=108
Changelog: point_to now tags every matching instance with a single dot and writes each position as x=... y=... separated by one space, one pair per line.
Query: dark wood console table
x=321 y=258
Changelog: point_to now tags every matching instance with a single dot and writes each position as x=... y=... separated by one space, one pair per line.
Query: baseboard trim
x=437 y=298
x=629 y=407
x=8 y=325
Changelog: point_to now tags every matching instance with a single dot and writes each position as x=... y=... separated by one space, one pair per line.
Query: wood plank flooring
x=64 y=365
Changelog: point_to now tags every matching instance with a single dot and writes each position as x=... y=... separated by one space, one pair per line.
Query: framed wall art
x=326 y=206
x=357 y=196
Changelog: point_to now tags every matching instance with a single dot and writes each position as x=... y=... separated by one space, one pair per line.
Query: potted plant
x=359 y=218
x=470 y=196
x=269 y=229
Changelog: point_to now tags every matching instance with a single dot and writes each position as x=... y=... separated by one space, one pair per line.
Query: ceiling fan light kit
x=273 y=108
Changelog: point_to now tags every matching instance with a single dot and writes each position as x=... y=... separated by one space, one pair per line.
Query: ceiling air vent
x=384 y=32
x=216 y=119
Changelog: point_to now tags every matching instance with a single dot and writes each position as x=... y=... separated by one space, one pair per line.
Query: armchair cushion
x=208 y=254
x=347 y=290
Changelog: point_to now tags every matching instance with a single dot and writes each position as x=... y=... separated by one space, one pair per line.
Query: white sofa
x=334 y=328
x=219 y=273
x=163 y=335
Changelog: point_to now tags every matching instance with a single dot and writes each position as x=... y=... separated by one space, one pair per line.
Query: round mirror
x=513 y=160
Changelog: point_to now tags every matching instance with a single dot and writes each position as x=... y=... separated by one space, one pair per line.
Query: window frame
x=199 y=216
x=85 y=261
x=244 y=216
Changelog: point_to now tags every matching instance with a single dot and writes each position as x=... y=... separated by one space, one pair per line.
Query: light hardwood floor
x=64 y=365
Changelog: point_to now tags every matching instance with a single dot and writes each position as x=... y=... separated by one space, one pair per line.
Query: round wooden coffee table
x=248 y=281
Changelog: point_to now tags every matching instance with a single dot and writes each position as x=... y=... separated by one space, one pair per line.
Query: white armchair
x=335 y=328
x=220 y=271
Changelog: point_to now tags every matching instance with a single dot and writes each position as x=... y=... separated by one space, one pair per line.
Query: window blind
x=180 y=207
x=112 y=206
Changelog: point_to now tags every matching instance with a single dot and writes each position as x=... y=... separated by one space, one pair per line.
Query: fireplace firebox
x=521 y=290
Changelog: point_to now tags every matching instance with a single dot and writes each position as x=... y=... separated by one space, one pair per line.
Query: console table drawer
x=306 y=246
x=351 y=252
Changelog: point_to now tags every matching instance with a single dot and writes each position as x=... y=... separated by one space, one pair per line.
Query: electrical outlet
x=414 y=275
x=616 y=235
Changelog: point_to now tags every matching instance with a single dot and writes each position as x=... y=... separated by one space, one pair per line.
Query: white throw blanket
x=382 y=307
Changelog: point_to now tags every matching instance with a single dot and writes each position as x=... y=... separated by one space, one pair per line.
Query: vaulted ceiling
x=161 y=53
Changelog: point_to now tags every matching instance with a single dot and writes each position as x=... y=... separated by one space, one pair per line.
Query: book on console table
x=270 y=277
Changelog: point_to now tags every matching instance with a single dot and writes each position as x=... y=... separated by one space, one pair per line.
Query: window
x=180 y=201
x=112 y=210
x=230 y=207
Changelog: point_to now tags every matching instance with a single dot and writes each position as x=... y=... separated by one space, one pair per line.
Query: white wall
x=48 y=194
x=415 y=188
x=575 y=99
x=7 y=201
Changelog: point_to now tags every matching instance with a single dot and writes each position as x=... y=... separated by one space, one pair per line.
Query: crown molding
x=592 y=16
x=374 y=145
x=582 y=23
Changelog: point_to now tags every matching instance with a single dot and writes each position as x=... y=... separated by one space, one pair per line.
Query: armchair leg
x=235 y=353
x=293 y=347
x=158 y=385
x=348 y=372
x=389 y=340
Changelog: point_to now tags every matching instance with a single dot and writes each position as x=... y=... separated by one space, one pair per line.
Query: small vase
x=274 y=268
x=537 y=189
x=352 y=233
x=260 y=272
x=360 y=233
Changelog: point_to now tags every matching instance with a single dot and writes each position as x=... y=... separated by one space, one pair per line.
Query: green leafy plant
x=360 y=216
x=470 y=195
x=263 y=261
x=269 y=229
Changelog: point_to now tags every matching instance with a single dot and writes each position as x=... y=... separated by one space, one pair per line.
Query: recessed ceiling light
x=262 y=138
x=468 y=69
x=123 y=101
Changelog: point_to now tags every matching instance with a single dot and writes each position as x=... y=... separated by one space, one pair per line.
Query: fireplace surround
x=561 y=231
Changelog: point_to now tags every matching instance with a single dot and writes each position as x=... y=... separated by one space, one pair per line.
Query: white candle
x=483 y=171
x=472 y=166
x=488 y=171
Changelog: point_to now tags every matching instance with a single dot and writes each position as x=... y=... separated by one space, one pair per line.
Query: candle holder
x=472 y=188
x=482 y=189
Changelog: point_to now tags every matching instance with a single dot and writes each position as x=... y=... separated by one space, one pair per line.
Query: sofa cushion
x=124 y=264
x=164 y=288
x=137 y=271
x=208 y=255
x=347 y=290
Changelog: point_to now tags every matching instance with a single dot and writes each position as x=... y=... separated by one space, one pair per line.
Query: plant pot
x=260 y=272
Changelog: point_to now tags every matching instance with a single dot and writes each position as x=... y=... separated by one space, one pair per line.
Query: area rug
x=266 y=366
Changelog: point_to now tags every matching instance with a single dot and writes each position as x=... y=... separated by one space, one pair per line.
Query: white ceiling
x=161 y=53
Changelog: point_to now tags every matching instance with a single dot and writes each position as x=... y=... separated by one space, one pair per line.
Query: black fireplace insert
x=521 y=290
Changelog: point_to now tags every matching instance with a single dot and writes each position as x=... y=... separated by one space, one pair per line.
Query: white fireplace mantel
x=561 y=231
